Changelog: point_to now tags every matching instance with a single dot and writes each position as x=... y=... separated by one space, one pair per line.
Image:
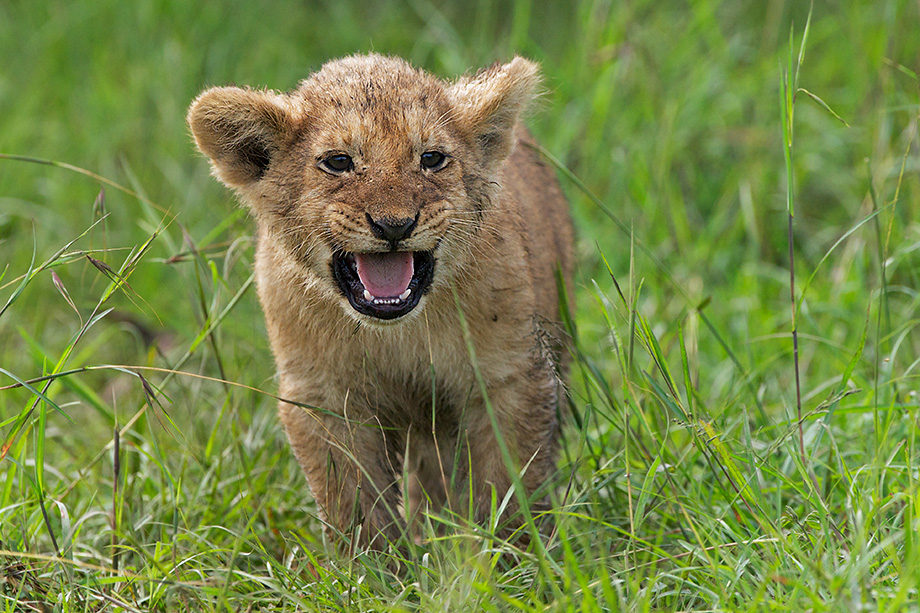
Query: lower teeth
x=369 y=297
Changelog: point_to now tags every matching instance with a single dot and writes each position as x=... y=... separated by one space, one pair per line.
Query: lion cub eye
x=337 y=163
x=434 y=160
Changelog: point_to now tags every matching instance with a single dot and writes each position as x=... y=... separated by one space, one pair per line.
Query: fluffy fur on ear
x=240 y=130
x=491 y=101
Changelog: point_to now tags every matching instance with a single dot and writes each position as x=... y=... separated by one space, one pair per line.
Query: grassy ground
x=712 y=467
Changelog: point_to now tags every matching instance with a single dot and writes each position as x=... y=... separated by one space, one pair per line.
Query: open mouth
x=384 y=285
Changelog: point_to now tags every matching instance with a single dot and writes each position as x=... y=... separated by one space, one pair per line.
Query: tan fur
x=377 y=399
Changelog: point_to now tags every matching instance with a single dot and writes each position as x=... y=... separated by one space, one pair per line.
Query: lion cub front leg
x=524 y=421
x=350 y=473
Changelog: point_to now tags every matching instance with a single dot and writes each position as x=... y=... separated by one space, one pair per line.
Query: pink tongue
x=385 y=275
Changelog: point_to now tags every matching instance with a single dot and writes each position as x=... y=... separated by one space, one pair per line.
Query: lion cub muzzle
x=385 y=285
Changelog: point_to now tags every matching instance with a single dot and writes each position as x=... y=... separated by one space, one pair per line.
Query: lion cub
x=408 y=245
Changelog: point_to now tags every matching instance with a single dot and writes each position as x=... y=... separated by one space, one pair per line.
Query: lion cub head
x=373 y=177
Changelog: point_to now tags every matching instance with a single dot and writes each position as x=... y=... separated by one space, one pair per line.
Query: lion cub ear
x=240 y=130
x=490 y=103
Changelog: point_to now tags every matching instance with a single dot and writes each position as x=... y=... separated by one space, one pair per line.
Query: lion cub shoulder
x=409 y=246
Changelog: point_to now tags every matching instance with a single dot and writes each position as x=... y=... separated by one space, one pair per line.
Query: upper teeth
x=371 y=298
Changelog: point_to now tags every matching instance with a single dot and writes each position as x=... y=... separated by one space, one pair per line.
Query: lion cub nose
x=392 y=229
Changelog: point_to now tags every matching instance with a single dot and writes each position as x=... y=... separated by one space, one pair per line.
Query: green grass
x=693 y=477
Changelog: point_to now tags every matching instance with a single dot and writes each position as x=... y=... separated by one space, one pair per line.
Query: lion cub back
x=546 y=223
